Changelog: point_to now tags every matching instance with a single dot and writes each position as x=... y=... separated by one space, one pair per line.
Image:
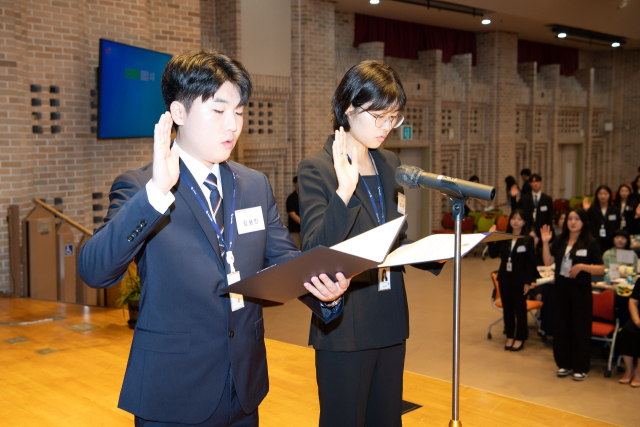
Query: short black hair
x=623 y=233
x=526 y=172
x=200 y=73
x=369 y=81
x=608 y=190
x=536 y=177
x=474 y=178
x=295 y=179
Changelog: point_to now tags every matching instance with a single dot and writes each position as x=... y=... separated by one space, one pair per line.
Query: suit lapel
x=183 y=189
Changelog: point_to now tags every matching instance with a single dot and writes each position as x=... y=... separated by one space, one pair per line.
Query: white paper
x=437 y=247
x=614 y=273
x=624 y=256
x=374 y=244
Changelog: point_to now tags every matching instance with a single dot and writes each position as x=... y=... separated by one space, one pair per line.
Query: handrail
x=64 y=217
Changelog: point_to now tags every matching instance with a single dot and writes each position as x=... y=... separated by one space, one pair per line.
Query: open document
x=284 y=282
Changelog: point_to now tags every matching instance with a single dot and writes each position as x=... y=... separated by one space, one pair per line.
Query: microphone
x=414 y=177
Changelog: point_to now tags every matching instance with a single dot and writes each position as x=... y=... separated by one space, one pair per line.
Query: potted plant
x=129 y=294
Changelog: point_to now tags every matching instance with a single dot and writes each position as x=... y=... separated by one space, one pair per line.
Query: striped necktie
x=216 y=204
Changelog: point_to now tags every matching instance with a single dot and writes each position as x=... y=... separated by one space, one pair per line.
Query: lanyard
x=228 y=253
x=373 y=202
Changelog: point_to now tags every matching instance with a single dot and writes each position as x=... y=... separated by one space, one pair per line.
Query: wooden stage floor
x=68 y=373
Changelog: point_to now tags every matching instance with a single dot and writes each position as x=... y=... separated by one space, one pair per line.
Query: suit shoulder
x=390 y=157
x=246 y=172
x=318 y=160
x=133 y=178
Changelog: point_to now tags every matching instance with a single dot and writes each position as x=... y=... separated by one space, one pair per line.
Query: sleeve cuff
x=159 y=201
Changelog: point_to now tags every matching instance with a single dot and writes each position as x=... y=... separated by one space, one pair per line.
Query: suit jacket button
x=139 y=228
x=143 y=223
x=231 y=334
x=134 y=233
x=130 y=239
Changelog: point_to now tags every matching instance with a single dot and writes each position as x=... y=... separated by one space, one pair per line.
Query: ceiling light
x=486 y=21
x=374 y=1
x=562 y=35
x=615 y=44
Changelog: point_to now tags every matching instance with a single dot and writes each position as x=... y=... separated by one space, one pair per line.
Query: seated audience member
x=474 y=205
x=559 y=218
x=517 y=272
x=626 y=204
x=635 y=185
x=620 y=242
x=537 y=206
x=525 y=174
x=629 y=341
x=577 y=256
x=604 y=218
x=513 y=194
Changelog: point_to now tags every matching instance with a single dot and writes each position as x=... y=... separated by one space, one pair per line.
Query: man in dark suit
x=525 y=174
x=194 y=223
x=537 y=206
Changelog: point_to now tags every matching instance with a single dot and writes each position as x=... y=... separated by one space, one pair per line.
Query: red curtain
x=405 y=39
x=545 y=54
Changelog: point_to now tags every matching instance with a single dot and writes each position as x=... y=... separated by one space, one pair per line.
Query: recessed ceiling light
x=615 y=44
x=486 y=21
x=374 y=1
x=562 y=35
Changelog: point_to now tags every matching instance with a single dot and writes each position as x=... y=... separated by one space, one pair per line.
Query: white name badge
x=384 y=279
x=612 y=217
x=402 y=203
x=543 y=208
x=603 y=232
x=521 y=249
x=581 y=252
x=249 y=220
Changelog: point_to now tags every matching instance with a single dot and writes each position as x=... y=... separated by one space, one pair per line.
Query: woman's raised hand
x=166 y=159
x=493 y=228
x=347 y=173
x=586 y=204
x=545 y=233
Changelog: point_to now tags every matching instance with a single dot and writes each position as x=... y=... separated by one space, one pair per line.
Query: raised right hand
x=347 y=173
x=493 y=228
x=586 y=204
x=166 y=159
x=545 y=233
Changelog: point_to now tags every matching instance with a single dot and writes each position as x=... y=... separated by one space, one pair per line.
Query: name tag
x=627 y=208
x=543 y=208
x=612 y=217
x=603 y=232
x=402 y=203
x=237 y=300
x=521 y=249
x=509 y=267
x=384 y=279
x=250 y=220
x=581 y=252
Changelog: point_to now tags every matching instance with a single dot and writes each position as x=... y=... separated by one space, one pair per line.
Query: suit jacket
x=523 y=262
x=370 y=318
x=610 y=221
x=544 y=211
x=187 y=338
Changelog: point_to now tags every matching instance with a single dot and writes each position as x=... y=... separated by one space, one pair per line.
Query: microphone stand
x=458 y=216
x=458 y=200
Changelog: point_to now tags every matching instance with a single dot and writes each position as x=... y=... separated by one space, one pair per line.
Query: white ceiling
x=528 y=18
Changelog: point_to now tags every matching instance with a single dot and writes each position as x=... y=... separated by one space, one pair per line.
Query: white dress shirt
x=161 y=202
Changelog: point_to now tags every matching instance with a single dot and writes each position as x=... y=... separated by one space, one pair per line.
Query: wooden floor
x=76 y=382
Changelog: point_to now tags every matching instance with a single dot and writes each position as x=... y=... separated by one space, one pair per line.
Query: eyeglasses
x=387 y=121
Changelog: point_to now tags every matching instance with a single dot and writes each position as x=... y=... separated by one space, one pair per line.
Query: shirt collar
x=538 y=194
x=199 y=171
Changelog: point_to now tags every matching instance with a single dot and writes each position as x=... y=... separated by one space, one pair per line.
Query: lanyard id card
x=509 y=265
x=603 y=231
x=384 y=279
x=375 y=209
x=566 y=266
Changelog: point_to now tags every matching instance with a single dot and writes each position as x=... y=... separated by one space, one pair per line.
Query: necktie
x=216 y=204
x=535 y=200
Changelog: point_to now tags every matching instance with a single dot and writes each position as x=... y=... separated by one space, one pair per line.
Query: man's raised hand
x=166 y=159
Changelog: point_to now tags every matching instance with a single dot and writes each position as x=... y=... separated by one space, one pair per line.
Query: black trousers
x=514 y=310
x=228 y=413
x=572 y=317
x=361 y=388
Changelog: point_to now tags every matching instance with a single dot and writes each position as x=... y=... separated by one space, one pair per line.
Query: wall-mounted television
x=130 y=98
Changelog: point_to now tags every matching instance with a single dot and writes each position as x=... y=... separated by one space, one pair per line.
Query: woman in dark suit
x=360 y=356
x=517 y=272
x=604 y=218
x=577 y=256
